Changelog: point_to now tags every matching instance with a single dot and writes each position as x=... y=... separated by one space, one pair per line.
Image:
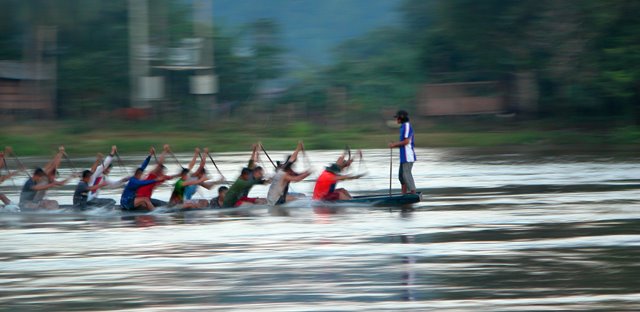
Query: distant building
x=517 y=93
x=26 y=89
x=464 y=98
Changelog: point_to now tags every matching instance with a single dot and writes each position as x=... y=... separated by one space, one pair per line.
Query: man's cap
x=401 y=114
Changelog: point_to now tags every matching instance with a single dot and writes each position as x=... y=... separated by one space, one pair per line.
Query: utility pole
x=138 y=39
x=203 y=28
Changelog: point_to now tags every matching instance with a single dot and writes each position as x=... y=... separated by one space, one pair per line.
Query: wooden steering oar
x=390 y=168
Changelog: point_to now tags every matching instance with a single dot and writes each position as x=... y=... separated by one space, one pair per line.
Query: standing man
x=407 y=153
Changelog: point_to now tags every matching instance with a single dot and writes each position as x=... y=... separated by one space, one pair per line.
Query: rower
x=36 y=183
x=199 y=174
x=144 y=193
x=251 y=175
x=81 y=195
x=177 y=196
x=128 y=199
x=218 y=202
x=325 y=188
x=100 y=176
x=279 y=188
x=35 y=188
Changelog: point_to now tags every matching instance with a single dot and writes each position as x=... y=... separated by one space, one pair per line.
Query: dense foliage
x=584 y=55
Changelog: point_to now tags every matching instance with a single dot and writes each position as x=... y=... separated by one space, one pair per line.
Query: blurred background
x=89 y=73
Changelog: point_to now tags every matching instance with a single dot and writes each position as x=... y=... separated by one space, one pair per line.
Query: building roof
x=25 y=71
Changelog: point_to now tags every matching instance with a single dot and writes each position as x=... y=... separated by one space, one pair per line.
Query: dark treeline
x=584 y=56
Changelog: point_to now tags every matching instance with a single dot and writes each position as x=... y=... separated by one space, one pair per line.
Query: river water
x=494 y=232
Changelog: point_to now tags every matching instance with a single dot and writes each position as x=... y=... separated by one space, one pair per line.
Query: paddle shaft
x=175 y=158
x=267 y=154
x=75 y=171
x=21 y=164
x=214 y=164
x=6 y=167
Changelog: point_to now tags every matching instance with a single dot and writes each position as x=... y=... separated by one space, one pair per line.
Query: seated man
x=218 y=202
x=128 y=199
x=325 y=188
x=145 y=192
x=239 y=190
x=177 y=196
x=199 y=174
x=81 y=195
x=279 y=188
x=38 y=182
x=100 y=176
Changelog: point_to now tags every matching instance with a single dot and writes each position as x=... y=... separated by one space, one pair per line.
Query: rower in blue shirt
x=128 y=200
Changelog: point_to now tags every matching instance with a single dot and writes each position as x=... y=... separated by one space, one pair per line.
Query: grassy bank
x=86 y=139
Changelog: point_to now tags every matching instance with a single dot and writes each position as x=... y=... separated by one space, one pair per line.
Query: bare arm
x=294 y=156
x=209 y=185
x=194 y=182
x=55 y=162
x=254 y=157
x=297 y=178
x=349 y=177
x=6 y=177
x=45 y=186
x=97 y=186
x=193 y=160
x=97 y=163
x=400 y=143
x=203 y=161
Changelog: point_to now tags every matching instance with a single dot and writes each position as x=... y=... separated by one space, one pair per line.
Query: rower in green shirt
x=239 y=191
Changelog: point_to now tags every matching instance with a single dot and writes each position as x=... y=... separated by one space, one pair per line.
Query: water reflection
x=408 y=276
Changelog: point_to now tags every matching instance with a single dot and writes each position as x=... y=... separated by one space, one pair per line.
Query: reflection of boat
x=379 y=200
x=135 y=212
x=386 y=200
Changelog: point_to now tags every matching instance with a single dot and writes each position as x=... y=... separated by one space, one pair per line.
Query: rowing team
x=138 y=188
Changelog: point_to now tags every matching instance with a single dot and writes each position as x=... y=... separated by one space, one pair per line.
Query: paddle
x=119 y=160
x=175 y=158
x=214 y=164
x=307 y=162
x=6 y=167
x=20 y=164
x=347 y=150
x=265 y=152
x=167 y=149
x=73 y=167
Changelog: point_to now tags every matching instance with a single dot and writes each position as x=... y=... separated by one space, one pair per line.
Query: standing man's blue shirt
x=407 y=153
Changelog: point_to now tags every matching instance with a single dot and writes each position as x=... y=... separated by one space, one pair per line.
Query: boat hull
x=384 y=200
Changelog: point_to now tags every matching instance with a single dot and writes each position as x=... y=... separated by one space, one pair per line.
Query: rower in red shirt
x=325 y=188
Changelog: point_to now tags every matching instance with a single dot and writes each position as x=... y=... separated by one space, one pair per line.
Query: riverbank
x=85 y=139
